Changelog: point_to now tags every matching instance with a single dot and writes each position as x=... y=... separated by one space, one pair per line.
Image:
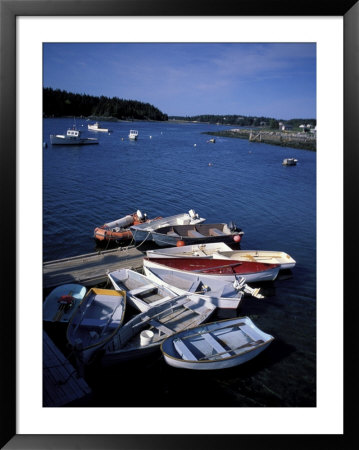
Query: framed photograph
x=271 y=72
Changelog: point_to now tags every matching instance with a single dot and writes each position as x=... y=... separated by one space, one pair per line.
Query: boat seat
x=183 y=350
x=216 y=232
x=145 y=289
x=195 y=234
x=213 y=342
x=161 y=327
x=93 y=323
x=172 y=233
x=195 y=286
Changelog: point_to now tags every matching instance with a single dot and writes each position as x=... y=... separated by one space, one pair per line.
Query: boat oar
x=65 y=301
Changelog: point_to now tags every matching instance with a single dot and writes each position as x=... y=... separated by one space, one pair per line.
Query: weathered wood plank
x=90 y=269
x=61 y=383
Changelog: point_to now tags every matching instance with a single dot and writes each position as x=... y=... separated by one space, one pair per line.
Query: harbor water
x=170 y=169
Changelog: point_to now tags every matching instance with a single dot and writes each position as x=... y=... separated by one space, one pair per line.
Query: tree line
x=244 y=121
x=59 y=103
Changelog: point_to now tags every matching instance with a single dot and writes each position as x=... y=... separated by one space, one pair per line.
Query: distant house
x=302 y=126
x=286 y=127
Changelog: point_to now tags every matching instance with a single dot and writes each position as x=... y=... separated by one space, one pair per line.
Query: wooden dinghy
x=216 y=345
x=62 y=301
x=224 y=269
x=96 y=320
x=195 y=250
x=144 y=333
x=197 y=234
x=141 y=292
x=262 y=256
x=143 y=232
x=222 y=294
x=221 y=250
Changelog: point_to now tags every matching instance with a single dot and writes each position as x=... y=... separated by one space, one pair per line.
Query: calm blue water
x=177 y=170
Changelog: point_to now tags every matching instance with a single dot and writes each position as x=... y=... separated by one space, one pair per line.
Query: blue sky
x=271 y=80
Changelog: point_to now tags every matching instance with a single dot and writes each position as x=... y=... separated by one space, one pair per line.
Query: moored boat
x=62 y=301
x=227 y=270
x=141 y=292
x=196 y=234
x=97 y=127
x=119 y=230
x=284 y=260
x=144 y=333
x=142 y=232
x=289 y=162
x=72 y=137
x=222 y=294
x=216 y=345
x=96 y=320
x=133 y=135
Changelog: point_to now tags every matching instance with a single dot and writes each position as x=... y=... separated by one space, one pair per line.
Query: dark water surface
x=171 y=169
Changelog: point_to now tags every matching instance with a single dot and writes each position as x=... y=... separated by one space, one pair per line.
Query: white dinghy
x=144 y=333
x=142 y=292
x=222 y=294
x=216 y=345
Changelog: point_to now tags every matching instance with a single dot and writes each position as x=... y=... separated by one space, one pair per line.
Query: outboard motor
x=232 y=226
x=193 y=214
x=139 y=214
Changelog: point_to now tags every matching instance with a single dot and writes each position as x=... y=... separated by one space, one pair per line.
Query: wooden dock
x=61 y=383
x=90 y=269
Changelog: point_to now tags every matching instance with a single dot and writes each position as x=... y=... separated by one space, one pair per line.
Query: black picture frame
x=9 y=10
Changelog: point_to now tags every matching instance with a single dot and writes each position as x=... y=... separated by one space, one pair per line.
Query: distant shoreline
x=295 y=140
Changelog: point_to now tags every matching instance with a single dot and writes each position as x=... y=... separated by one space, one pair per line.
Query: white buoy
x=194 y=145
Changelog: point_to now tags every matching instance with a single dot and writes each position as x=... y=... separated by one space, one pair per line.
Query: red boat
x=119 y=230
x=226 y=269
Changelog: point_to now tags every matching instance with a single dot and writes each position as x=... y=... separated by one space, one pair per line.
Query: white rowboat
x=144 y=333
x=142 y=292
x=216 y=345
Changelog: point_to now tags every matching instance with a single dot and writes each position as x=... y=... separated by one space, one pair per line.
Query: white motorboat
x=145 y=332
x=97 y=127
x=72 y=137
x=133 y=135
x=222 y=294
x=142 y=232
x=216 y=269
x=216 y=345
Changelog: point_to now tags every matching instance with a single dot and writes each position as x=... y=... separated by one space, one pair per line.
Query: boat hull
x=243 y=342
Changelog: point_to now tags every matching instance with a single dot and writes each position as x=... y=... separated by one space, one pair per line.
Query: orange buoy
x=180 y=243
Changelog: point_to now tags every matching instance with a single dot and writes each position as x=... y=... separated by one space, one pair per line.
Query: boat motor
x=193 y=214
x=139 y=214
x=232 y=226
